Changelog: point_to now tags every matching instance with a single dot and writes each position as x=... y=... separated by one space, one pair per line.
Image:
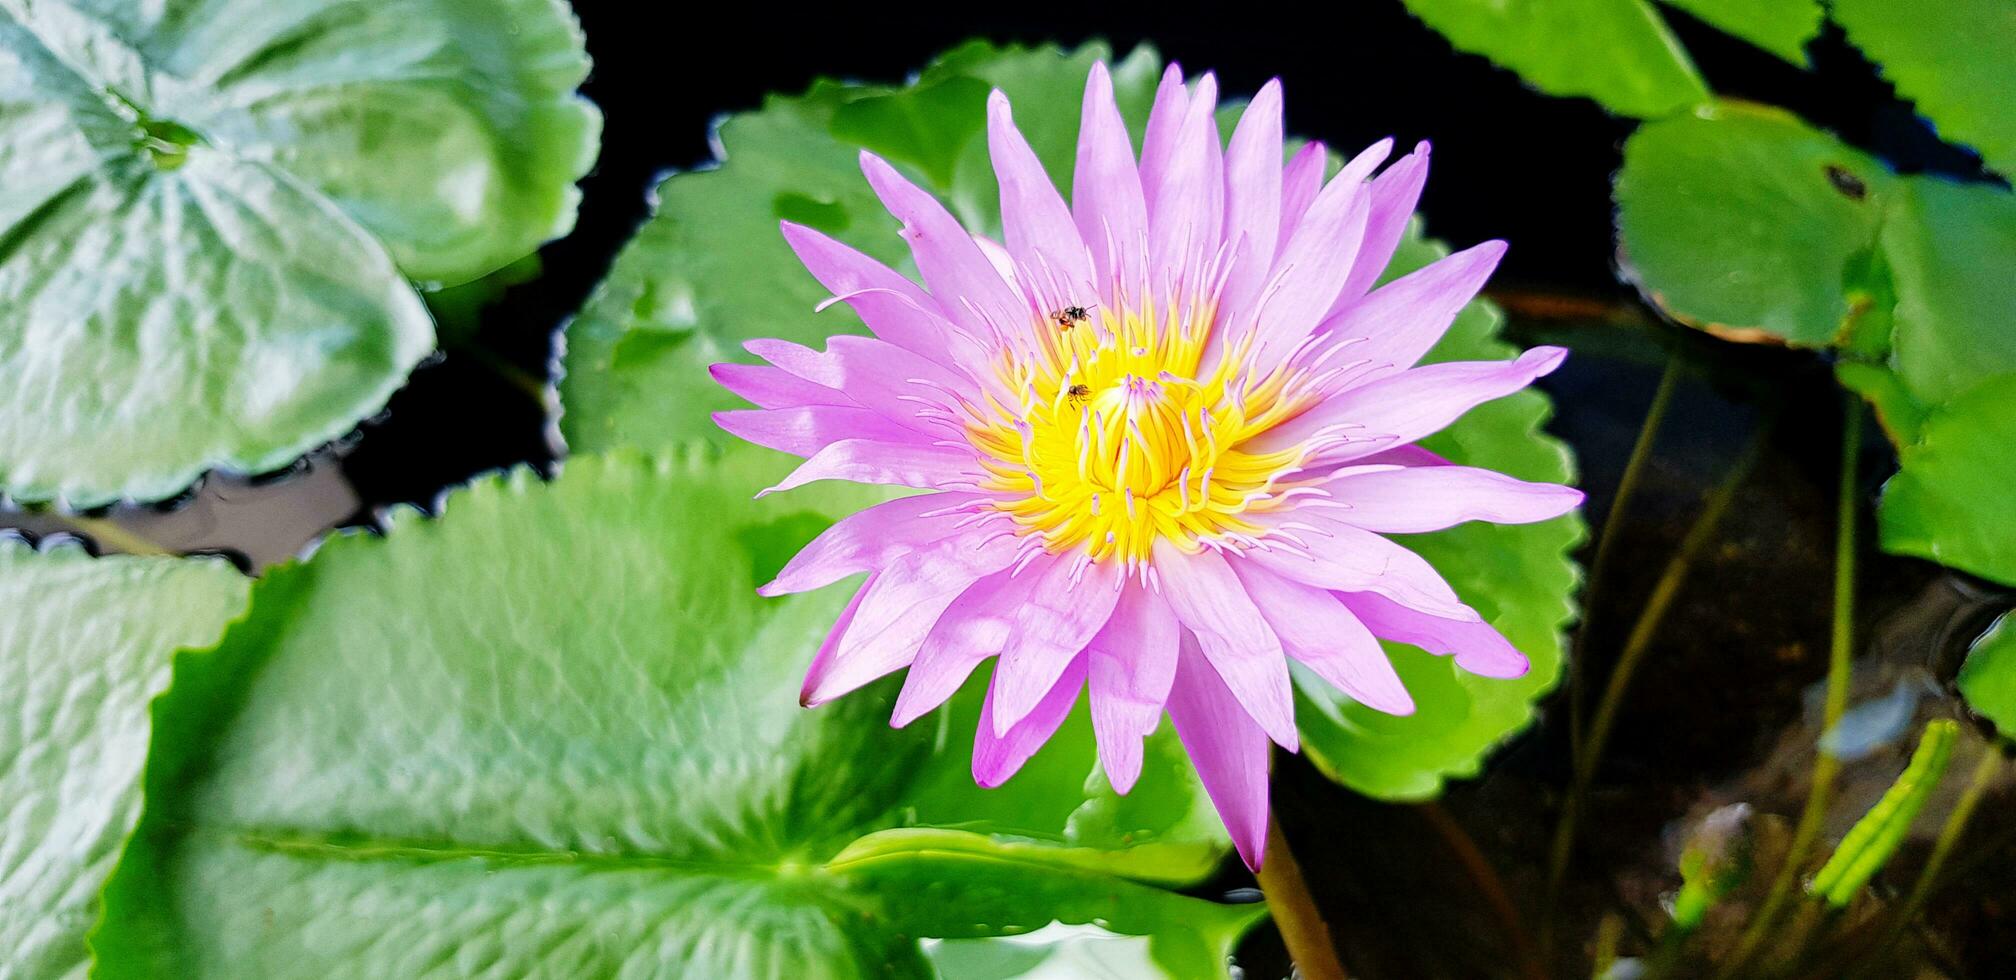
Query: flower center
x=1123 y=435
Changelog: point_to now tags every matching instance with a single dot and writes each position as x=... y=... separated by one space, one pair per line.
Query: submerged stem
x=1650 y=616
x=1840 y=656
x=1950 y=833
x=1489 y=885
x=1302 y=927
x=111 y=534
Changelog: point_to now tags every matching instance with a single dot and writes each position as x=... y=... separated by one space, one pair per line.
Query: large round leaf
x=1744 y=221
x=211 y=210
x=556 y=732
x=1951 y=249
x=1950 y=500
x=1617 y=52
x=1955 y=58
x=1988 y=678
x=84 y=648
x=1520 y=578
x=1781 y=27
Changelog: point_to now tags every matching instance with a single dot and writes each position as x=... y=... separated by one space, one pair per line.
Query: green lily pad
x=85 y=647
x=1956 y=59
x=1781 y=27
x=1988 y=678
x=709 y=270
x=1743 y=221
x=212 y=211
x=1950 y=500
x=1617 y=52
x=1951 y=249
x=587 y=759
x=1520 y=577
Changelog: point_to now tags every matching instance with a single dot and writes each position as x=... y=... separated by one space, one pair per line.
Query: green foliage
x=1875 y=837
x=1519 y=576
x=211 y=211
x=1617 y=52
x=587 y=758
x=1951 y=249
x=1956 y=59
x=1988 y=678
x=1950 y=500
x=84 y=647
x=1781 y=27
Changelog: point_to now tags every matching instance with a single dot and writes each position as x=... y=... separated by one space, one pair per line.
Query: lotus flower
x=1159 y=432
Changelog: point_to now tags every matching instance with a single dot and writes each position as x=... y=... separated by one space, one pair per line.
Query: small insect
x=1847 y=183
x=1070 y=316
x=1076 y=394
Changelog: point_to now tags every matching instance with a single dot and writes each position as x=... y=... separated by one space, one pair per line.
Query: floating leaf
x=1745 y=222
x=1520 y=577
x=586 y=758
x=1875 y=837
x=1956 y=59
x=1950 y=500
x=1617 y=52
x=709 y=271
x=1952 y=255
x=211 y=211
x=1781 y=27
x=84 y=648
x=1988 y=678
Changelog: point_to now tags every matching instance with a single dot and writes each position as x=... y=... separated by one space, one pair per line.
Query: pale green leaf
x=1950 y=500
x=1988 y=678
x=1781 y=27
x=1617 y=52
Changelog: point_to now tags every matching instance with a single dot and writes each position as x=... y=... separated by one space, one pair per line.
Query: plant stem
x=1303 y=930
x=1635 y=645
x=1489 y=885
x=1627 y=488
x=1840 y=657
x=112 y=535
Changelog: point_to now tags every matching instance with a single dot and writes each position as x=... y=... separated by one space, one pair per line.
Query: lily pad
x=1956 y=59
x=1951 y=249
x=587 y=759
x=710 y=271
x=1743 y=221
x=1617 y=52
x=1781 y=27
x=1950 y=500
x=212 y=211
x=85 y=647
x=1520 y=577
x=1988 y=678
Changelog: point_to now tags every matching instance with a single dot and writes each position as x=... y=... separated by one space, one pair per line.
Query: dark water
x=1722 y=709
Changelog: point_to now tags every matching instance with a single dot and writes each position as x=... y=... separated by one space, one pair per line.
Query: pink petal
x=1106 y=199
x=1406 y=406
x=1401 y=320
x=805 y=430
x=1300 y=182
x=1228 y=749
x=773 y=387
x=1395 y=192
x=897 y=609
x=894 y=308
x=1342 y=558
x=878 y=375
x=964 y=282
x=1208 y=599
x=1479 y=648
x=997 y=757
x=876 y=536
x=1038 y=227
x=1318 y=630
x=1186 y=199
x=1129 y=668
x=1165 y=122
x=1253 y=197
x=829 y=649
x=886 y=464
x=1312 y=267
x=1430 y=498
x=1064 y=606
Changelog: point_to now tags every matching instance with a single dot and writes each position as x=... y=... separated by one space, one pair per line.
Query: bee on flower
x=1159 y=507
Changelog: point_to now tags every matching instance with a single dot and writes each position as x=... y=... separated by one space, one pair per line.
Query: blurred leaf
x=458 y=310
x=1743 y=221
x=211 y=209
x=1899 y=413
x=1950 y=500
x=84 y=648
x=1617 y=52
x=1875 y=837
x=1520 y=577
x=1781 y=27
x=1956 y=59
x=1988 y=678
x=1952 y=254
x=709 y=271
x=586 y=758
